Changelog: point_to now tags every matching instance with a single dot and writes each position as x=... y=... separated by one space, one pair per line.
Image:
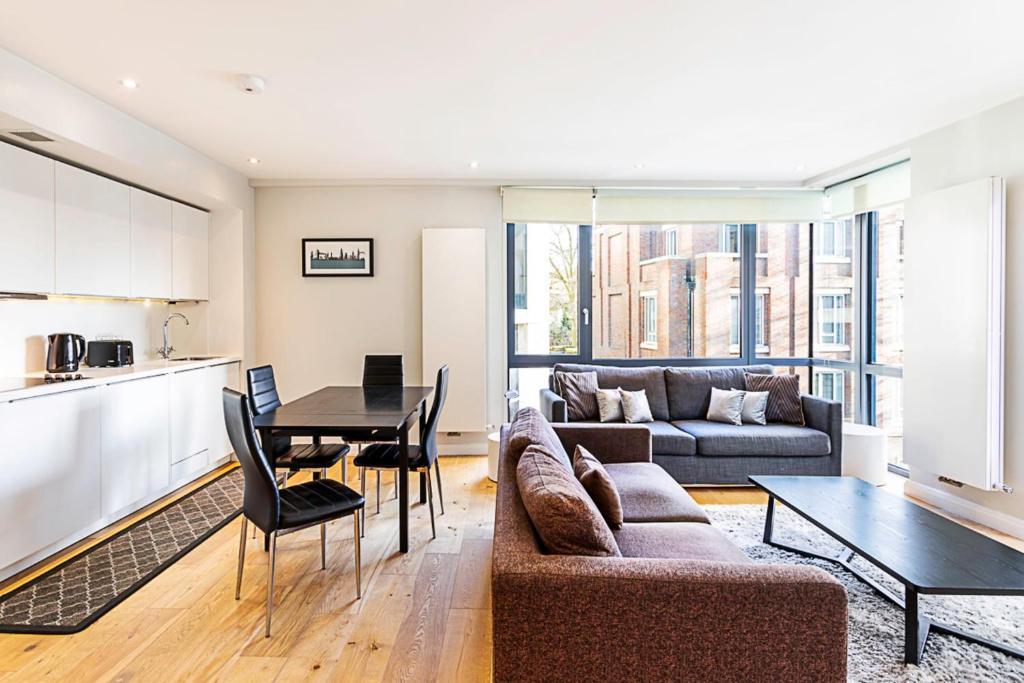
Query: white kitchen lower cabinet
x=136 y=440
x=190 y=418
x=220 y=376
x=50 y=486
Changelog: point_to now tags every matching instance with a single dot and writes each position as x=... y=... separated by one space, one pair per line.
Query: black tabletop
x=917 y=546
x=355 y=407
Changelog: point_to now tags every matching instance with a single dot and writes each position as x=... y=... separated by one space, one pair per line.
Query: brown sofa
x=681 y=604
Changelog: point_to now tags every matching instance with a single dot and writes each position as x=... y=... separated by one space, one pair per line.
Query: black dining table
x=387 y=413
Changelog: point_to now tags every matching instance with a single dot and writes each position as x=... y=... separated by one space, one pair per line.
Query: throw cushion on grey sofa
x=530 y=427
x=784 y=404
x=689 y=389
x=562 y=512
x=577 y=388
x=650 y=379
x=755 y=408
x=726 y=406
x=635 y=408
x=715 y=438
x=609 y=405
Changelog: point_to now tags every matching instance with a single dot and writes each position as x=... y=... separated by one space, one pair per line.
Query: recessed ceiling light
x=474 y=164
x=253 y=160
x=638 y=165
x=129 y=83
x=800 y=167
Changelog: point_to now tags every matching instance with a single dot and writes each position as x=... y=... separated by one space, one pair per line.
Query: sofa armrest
x=553 y=406
x=608 y=442
x=670 y=619
x=826 y=416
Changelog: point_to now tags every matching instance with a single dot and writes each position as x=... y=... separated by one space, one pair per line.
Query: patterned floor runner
x=77 y=592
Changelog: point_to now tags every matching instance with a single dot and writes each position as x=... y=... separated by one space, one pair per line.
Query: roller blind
x=706 y=206
x=887 y=186
x=547 y=205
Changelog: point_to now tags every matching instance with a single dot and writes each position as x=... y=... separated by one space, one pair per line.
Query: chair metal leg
x=440 y=491
x=378 y=492
x=323 y=546
x=362 y=492
x=430 y=501
x=358 y=560
x=241 y=556
x=270 y=580
x=344 y=469
x=396 y=485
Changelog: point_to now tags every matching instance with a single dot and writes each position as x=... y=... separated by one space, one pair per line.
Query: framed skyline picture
x=337 y=257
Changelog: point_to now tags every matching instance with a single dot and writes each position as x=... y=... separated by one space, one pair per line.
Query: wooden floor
x=424 y=616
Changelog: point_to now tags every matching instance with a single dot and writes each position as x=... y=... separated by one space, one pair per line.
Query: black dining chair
x=317 y=456
x=379 y=371
x=281 y=511
x=422 y=458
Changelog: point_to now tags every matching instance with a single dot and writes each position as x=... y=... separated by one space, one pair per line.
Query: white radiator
x=954 y=287
x=455 y=323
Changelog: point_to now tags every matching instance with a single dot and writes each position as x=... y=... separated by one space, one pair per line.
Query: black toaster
x=109 y=353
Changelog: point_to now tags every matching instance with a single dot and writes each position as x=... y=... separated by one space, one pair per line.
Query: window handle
x=586 y=316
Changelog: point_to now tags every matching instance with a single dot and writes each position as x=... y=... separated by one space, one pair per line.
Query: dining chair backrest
x=262 y=390
x=383 y=371
x=261 y=501
x=440 y=394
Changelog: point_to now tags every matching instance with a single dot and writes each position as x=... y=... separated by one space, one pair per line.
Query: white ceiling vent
x=30 y=135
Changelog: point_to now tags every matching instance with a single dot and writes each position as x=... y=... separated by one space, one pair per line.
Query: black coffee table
x=924 y=551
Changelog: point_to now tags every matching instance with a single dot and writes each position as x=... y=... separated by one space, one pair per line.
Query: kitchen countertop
x=94 y=377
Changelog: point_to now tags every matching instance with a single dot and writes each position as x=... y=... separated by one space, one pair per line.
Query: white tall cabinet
x=190 y=253
x=50 y=486
x=26 y=221
x=151 y=245
x=93 y=234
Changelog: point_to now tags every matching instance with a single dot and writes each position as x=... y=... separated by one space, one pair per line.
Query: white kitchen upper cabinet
x=190 y=261
x=136 y=441
x=93 y=234
x=151 y=245
x=50 y=488
x=26 y=221
x=220 y=376
x=190 y=413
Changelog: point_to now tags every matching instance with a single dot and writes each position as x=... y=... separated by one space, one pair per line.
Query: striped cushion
x=783 y=396
x=578 y=389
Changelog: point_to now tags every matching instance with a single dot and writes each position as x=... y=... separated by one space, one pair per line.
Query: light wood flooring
x=424 y=616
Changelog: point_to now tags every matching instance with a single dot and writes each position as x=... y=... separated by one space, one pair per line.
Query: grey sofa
x=696 y=451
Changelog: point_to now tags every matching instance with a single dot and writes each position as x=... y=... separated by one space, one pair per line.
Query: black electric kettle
x=64 y=352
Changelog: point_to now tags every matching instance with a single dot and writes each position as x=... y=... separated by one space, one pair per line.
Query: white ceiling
x=740 y=90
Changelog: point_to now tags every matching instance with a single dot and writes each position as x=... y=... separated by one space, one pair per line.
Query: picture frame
x=337 y=257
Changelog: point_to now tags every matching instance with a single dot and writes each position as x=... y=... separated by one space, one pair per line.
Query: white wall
x=92 y=132
x=989 y=144
x=315 y=331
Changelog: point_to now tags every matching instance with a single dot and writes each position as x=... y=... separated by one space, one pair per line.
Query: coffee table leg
x=769 y=519
x=916 y=629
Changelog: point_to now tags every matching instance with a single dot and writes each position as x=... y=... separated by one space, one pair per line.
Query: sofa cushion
x=562 y=512
x=784 y=404
x=669 y=440
x=684 y=541
x=650 y=494
x=715 y=438
x=599 y=485
x=530 y=427
x=689 y=389
x=578 y=388
x=651 y=379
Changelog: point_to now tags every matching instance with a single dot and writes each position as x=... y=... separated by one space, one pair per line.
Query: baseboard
x=462 y=448
x=1000 y=521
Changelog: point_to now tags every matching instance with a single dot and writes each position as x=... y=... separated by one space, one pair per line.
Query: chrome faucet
x=166 y=349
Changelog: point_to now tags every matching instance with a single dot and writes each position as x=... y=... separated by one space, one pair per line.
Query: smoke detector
x=251 y=84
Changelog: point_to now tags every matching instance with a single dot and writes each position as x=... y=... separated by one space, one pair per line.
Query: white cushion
x=726 y=406
x=609 y=405
x=635 y=407
x=754 y=405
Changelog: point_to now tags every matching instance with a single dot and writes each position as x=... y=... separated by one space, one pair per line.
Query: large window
x=782 y=305
x=546 y=289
